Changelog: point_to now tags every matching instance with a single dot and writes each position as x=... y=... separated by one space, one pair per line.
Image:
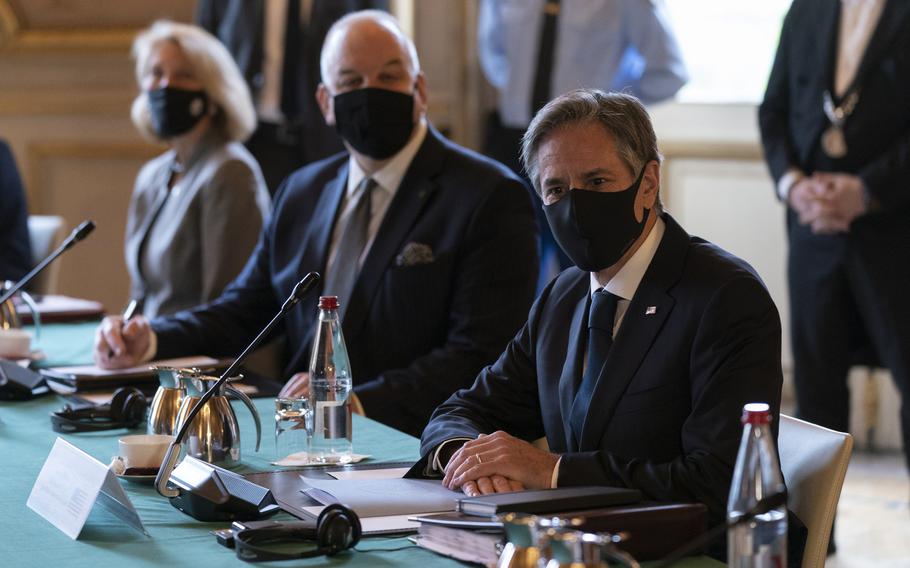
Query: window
x=728 y=46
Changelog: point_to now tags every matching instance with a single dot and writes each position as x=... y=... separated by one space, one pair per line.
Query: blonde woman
x=197 y=209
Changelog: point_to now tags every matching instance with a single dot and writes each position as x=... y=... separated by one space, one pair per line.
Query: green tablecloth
x=26 y=539
x=65 y=344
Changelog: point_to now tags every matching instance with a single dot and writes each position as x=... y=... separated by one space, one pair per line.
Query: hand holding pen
x=131 y=308
x=122 y=341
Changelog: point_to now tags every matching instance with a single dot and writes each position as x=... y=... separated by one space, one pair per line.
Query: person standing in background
x=15 y=248
x=534 y=50
x=197 y=209
x=835 y=125
x=276 y=44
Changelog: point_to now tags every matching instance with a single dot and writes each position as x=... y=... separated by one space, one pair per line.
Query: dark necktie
x=547 y=47
x=600 y=338
x=293 y=36
x=341 y=276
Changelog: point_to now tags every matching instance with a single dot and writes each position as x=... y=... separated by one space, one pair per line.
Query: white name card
x=71 y=483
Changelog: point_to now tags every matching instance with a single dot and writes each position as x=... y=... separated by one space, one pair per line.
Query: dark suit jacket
x=15 y=247
x=240 y=26
x=664 y=416
x=878 y=141
x=877 y=133
x=415 y=333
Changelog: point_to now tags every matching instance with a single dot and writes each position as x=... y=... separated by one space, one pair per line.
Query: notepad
x=77 y=378
x=383 y=497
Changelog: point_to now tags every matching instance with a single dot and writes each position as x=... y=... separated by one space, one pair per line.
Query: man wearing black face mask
x=430 y=248
x=635 y=365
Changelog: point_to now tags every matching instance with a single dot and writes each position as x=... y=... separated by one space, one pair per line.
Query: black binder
x=548 y=500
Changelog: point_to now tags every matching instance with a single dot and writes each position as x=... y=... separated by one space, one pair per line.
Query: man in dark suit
x=276 y=45
x=445 y=266
x=635 y=364
x=835 y=125
x=15 y=250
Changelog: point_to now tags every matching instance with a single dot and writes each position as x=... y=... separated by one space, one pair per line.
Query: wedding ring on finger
x=479 y=460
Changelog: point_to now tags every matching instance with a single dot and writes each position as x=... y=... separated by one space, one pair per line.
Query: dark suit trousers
x=843 y=289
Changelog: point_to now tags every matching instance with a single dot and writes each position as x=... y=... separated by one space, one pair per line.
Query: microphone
x=764 y=505
x=79 y=233
x=207 y=492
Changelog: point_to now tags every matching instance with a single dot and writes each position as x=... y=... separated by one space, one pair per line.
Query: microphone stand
x=77 y=235
x=173 y=453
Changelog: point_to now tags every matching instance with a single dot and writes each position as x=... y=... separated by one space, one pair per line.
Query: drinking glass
x=293 y=426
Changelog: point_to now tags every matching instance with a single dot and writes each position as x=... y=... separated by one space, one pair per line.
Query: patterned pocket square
x=414 y=254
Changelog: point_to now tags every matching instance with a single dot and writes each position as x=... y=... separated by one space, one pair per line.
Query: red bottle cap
x=328 y=302
x=756 y=413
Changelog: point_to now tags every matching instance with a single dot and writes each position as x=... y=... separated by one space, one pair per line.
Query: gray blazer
x=205 y=228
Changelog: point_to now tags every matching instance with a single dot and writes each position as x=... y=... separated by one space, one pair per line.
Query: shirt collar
x=389 y=177
x=626 y=281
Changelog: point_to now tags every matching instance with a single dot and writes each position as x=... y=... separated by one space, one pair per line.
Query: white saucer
x=144 y=479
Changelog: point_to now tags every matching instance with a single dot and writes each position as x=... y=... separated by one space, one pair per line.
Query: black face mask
x=595 y=228
x=176 y=111
x=375 y=122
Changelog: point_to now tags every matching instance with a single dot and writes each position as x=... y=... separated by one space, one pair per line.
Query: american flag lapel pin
x=650 y=310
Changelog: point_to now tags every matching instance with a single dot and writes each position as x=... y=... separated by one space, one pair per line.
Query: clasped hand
x=828 y=202
x=498 y=463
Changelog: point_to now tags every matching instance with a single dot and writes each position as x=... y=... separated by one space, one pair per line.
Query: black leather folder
x=542 y=501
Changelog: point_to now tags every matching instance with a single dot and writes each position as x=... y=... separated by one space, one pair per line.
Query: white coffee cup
x=144 y=450
x=15 y=343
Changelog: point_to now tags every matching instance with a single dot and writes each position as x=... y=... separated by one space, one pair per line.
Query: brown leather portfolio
x=654 y=529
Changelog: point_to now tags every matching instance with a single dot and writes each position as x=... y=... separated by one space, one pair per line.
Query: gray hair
x=383 y=19
x=212 y=65
x=622 y=116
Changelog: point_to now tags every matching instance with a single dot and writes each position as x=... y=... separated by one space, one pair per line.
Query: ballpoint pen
x=131 y=308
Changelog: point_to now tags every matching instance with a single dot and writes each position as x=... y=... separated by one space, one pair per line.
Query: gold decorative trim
x=712 y=150
x=39 y=153
x=15 y=39
x=9 y=23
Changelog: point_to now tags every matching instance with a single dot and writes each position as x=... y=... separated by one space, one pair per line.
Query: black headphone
x=337 y=529
x=126 y=410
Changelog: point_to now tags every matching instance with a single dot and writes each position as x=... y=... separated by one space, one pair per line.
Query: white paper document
x=389 y=524
x=70 y=483
x=384 y=497
x=378 y=473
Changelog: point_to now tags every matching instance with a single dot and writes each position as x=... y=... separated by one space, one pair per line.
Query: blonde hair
x=212 y=66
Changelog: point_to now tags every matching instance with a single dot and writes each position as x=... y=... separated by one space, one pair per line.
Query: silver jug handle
x=231 y=391
x=33 y=306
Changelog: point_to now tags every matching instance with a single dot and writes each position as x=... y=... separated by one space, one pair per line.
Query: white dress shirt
x=623 y=284
x=626 y=281
x=858 y=19
x=387 y=181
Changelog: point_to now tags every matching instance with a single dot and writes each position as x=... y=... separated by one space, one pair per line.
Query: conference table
x=174 y=539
